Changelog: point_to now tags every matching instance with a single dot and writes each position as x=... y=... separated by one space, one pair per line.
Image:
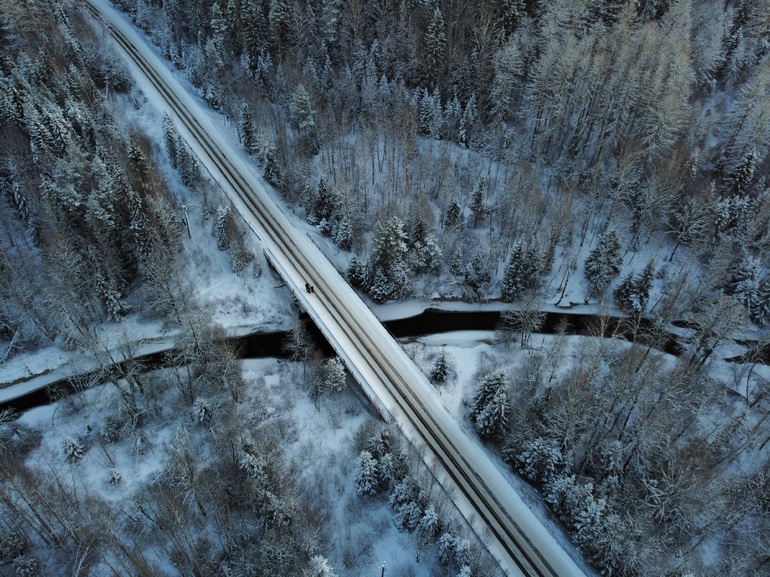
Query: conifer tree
x=331 y=18
x=356 y=273
x=343 y=233
x=252 y=31
x=218 y=32
x=491 y=405
x=325 y=204
x=367 y=480
x=603 y=264
x=762 y=313
x=170 y=139
x=387 y=268
x=270 y=169
x=452 y=117
x=435 y=45
x=511 y=13
x=514 y=282
x=457 y=263
x=333 y=375
x=477 y=272
x=301 y=111
x=453 y=214
x=746 y=286
x=478 y=204
x=441 y=368
x=247 y=131
x=633 y=293
x=508 y=71
x=431 y=114
x=468 y=123
x=73 y=449
x=740 y=179
x=220 y=227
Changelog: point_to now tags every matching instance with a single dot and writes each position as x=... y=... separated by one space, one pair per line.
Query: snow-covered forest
x=605 y=156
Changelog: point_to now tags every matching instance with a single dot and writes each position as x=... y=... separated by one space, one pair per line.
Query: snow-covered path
x=514 y=535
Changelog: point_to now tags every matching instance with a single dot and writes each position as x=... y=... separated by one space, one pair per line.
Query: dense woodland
x=395 y=124
x=481 y=150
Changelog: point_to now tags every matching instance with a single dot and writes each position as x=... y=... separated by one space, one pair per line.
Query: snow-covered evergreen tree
x=491 y=406
x=633 y=293
x=603 y=264
x=388 y=276
x=468 y=122
x=26 y=566
x=435 y=44
x=452 y=550
x=738 y=182
x=392 y=468
x=246 y=129
x=746 y=286
x=255 y=467
x=367 y=479
x=509 y=68
x=301 y=110
x=115 y=477
x=762 y=313
x=203 y=412
x=326 y=203
x=402 y=492
x=409 y=503
x=109 y=295
x=426 y=255
x=379 y=444
x=522 y=273
x=429 y=525
x=430 y=113
x=170 y=139
x=270 y=169
x=356 y=273
x=478 y=202
x=441 y=367
x=539 y=460
x=446 y=544
x=476 y=272
x=219 y=229
x=218 y=24
x=342 y=232
x=457 y=263
x=73 y=449
x=453 y=215
x=333 y=375
x=252 y=32
x=331 y=17
x=319 y=567
x=452 y=117
x=408 y=516
x=511 y=12
x=734 y=215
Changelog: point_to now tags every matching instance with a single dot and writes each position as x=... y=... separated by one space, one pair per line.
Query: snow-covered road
x=513 y=534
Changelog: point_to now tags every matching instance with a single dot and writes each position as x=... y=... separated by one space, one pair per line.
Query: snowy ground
x=316 y=439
